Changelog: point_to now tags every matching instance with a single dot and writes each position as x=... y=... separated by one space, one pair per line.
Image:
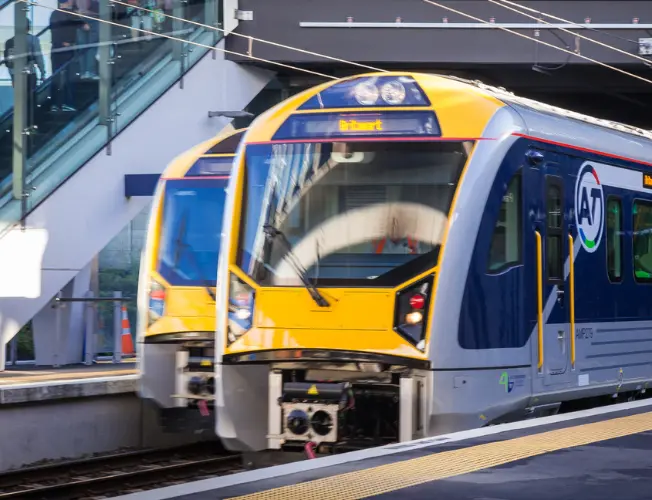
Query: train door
x=549 y=190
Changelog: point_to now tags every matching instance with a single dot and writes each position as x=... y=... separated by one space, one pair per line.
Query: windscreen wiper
x=272 y=233
x=180 y=243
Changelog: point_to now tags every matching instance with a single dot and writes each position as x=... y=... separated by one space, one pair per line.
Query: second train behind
x=176 y=300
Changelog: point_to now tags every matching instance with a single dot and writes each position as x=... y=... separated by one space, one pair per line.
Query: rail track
x=119 y=474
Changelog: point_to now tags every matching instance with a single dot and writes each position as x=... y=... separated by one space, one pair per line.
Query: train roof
x=223 y=144
x=542 y=121
x=511 y=98
x=561 y=126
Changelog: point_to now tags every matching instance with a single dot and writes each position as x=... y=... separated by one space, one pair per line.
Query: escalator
x=129 y=62
x=160 y=96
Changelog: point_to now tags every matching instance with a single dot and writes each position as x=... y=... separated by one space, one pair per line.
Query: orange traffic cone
x=127 y=341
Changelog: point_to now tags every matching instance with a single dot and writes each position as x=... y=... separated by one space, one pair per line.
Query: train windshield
x=190 y=231
x=350 y=214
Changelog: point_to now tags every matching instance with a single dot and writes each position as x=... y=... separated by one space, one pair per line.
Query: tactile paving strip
x=416 y=471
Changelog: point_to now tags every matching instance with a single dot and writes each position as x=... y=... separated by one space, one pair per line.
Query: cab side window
x=554 y=218
x=642 y=240
x=614 y=239
x=506 y=241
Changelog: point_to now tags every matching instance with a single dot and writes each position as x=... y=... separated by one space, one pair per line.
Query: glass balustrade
x=89 y=70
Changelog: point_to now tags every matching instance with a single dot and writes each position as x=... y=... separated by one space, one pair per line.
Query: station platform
x=603 y=453
x=23 y=385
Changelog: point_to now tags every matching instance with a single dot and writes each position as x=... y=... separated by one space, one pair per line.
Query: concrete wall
x=74 y=428
x=280 y=20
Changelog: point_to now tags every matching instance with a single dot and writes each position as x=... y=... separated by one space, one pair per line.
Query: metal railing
x=92 y=326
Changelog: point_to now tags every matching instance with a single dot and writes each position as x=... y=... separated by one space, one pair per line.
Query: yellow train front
x=176 y=297
x=333 y=228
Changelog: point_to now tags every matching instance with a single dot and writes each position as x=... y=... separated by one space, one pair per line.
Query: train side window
x=506 y=241
x=614 y=238
x=555 y=215
x=642 y=240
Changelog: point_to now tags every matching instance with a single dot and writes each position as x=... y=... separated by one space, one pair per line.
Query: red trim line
x=375 y=139
x=585 y=150
x=194 y=177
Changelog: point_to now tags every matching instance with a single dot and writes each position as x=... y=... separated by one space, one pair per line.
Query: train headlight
x=156 y=304
x=393 y=92
x=195 y=385
x=366 y=93
x=410 y=314
x=241 y=306
x=298 y=422
x=413 y=318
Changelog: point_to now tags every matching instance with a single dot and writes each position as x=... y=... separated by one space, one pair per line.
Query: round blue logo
x=589 y=208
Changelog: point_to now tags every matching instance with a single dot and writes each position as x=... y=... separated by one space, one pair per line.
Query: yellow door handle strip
x=539 y=299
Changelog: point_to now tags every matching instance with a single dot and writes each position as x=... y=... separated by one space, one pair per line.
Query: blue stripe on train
x=499 y=310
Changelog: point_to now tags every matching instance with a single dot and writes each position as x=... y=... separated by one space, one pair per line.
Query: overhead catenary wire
x=585 y=26
x=261 y=40
x=372 y=68
x=197 y=44
x=316 y=73
x=507 y=30
x=249 y=56
x=502 y=3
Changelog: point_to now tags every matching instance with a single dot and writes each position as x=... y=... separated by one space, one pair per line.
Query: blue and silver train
x=525 y=280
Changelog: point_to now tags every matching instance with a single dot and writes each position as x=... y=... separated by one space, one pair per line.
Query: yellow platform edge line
x=406 y=473
x=54 y=377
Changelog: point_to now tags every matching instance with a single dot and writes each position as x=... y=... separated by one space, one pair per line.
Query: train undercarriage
x=317 y=408
x=334 y=408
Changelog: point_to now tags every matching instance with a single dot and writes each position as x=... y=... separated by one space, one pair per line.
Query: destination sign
x=647 y=181
x=374 y=124
x=210 y=166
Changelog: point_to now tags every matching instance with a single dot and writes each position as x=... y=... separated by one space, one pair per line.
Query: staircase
x=161 y=94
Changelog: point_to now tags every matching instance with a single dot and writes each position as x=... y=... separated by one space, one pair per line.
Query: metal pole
x=13 y=350
x=105 y=66
x=58 y=306
x=212 y=19
x=179 y=50
x=117 y=328
x=20 y=105
x=177 y=26
x=89 y=333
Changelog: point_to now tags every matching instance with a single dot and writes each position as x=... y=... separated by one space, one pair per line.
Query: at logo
x=589 y=208
x=506 y=382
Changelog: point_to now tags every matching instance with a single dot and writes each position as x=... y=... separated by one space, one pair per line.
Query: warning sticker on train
x=589 y=208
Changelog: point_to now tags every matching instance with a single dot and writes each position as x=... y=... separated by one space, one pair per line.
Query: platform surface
x=604 y=453
x=25 y=375
x=28 y=385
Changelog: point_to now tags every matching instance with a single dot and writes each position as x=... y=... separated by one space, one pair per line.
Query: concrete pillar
x=117 y=328
x=58 y=328
x=3 y=354
x=47 y=328
x=95 y=275
x=77 y=324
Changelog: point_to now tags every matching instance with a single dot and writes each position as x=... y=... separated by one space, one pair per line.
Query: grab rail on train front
x=539 y=299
